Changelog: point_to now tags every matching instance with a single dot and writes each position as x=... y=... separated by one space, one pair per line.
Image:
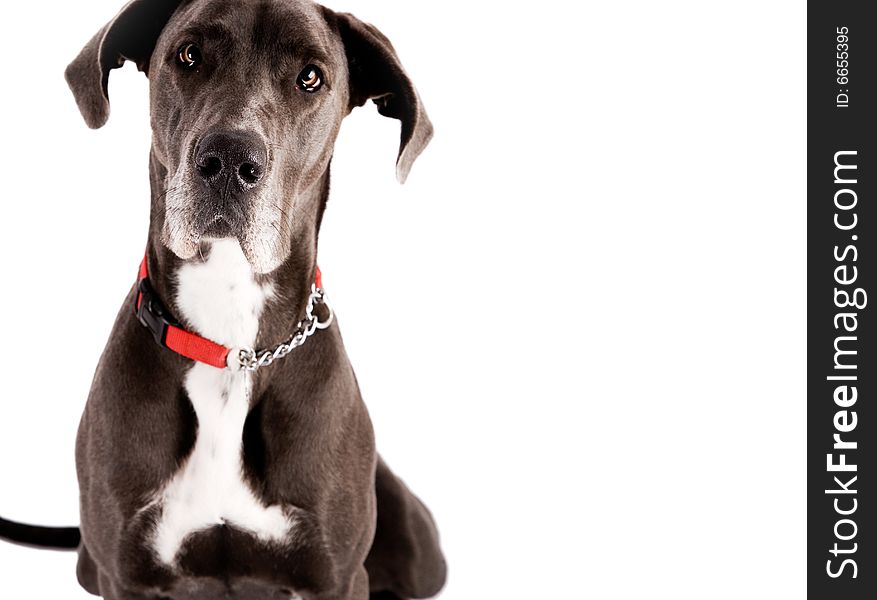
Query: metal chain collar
x=251 y=360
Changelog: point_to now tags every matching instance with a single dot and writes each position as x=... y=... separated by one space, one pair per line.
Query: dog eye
x=189 y=56
x=310 y=79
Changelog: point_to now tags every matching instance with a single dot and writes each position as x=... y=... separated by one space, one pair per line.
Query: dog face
x=246 y=100
x=246 y=104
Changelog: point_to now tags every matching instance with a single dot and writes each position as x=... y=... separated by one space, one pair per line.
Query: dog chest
x=223 y=302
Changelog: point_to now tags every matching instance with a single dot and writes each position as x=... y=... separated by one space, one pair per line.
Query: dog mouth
x=219 y=219
x=219 y=228
x=194 y=218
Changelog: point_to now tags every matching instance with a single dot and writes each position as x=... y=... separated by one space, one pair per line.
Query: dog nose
x=231 y=161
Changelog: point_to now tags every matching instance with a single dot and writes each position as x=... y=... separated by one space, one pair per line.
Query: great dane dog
x=203 y=475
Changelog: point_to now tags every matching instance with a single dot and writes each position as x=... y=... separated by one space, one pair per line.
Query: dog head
x=246 y=99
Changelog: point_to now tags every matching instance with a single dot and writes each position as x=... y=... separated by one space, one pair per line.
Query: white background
x=579 y=327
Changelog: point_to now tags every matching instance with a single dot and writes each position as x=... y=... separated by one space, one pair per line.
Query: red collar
x=167 y=330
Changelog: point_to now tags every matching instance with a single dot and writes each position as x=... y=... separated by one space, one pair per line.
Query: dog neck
x=217 y=295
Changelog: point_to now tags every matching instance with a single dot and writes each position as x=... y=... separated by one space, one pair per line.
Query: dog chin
x=195 y=246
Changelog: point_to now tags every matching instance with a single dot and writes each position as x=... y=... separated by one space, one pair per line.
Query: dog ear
x=131 y=35
x=376 y=74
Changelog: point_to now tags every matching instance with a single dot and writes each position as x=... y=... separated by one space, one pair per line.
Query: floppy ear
x=131 y=35
x=376 y=74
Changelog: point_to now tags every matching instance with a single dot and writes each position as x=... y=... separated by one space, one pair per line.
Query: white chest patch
x=223 y=302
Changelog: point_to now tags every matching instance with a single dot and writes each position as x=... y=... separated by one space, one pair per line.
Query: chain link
x=252 y=360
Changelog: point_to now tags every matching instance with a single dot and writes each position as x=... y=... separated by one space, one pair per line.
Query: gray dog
x=207 y=468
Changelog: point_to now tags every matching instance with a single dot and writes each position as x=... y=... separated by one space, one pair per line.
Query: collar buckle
x=151 y=312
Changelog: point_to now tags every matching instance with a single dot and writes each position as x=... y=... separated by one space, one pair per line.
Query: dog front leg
x=356 y=590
